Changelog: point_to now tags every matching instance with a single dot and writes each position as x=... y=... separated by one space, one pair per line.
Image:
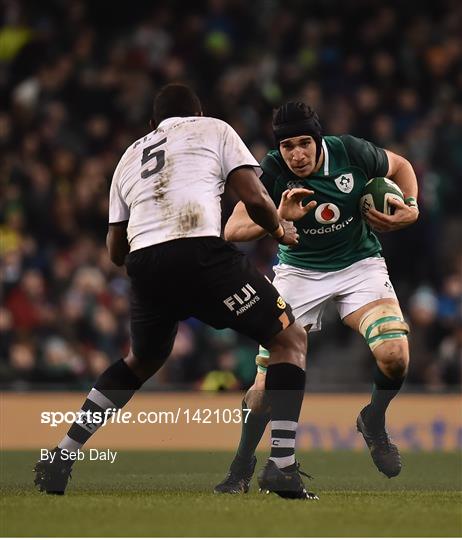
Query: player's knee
x=289 y=346
x=143 y=364
x=393 y=358
x=151 y=353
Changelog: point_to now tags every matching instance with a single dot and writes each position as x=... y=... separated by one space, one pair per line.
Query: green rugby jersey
x=333 y=235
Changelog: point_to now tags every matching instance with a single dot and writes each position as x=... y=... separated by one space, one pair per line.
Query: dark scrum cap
x=294 y=119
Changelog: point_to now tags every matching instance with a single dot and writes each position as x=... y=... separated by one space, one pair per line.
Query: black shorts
x=206 y=278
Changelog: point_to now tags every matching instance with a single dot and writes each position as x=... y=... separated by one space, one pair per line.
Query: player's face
x=299 y=153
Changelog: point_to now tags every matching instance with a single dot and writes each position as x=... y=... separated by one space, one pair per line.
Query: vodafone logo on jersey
x=327 y=213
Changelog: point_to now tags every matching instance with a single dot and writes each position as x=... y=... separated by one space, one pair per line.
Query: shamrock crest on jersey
x=345 y=182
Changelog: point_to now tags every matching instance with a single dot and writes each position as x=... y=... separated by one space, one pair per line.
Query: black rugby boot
x=53 y=476
x=287 y=482
x=238 y=478
x=384 y=453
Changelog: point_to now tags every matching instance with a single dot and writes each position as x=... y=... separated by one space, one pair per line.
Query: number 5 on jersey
x=148 y=154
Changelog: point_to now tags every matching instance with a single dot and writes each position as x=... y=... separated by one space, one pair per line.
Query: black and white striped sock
x=285 y=386
x=283 y=442
x=113 y=389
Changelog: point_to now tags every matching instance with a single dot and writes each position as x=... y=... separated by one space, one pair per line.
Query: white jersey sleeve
x=118 y=209
x=235 y=152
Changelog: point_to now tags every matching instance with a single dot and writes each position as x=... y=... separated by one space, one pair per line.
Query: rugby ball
x=376 y=194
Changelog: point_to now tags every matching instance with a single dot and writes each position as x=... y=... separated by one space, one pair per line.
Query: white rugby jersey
x=168 y=184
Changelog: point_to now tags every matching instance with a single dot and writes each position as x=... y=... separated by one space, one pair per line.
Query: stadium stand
x=76 y=86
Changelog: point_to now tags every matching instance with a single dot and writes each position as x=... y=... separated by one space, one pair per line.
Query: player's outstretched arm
x=240 y=228
x=258 y=204
x=117 y=243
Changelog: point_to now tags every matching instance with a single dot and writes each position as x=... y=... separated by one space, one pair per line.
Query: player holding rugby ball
x=338 y=258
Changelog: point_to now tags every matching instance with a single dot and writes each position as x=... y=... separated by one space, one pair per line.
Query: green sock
x=383 y=391
x=252 y=431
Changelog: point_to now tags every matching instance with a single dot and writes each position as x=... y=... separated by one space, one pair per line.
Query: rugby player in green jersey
x=320 y=179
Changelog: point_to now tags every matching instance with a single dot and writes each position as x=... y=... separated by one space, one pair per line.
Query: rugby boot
x=286 y=483
x=238 y=478
x=384 y=453
x=53 y=476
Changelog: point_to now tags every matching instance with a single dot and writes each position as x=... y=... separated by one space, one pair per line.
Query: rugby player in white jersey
x=164 y=225
x=338 y=258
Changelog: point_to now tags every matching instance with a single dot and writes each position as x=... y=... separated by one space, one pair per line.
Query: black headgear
x=296 y=118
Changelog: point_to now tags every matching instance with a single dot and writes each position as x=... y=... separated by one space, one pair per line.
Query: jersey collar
x=326 y=158
x=168 y=121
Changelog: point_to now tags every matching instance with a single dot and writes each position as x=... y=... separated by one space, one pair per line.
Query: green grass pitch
x=170 y=494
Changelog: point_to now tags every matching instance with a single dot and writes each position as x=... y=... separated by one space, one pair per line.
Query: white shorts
x=308 y=291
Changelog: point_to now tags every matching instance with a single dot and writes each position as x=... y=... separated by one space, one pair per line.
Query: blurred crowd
x=77 y=80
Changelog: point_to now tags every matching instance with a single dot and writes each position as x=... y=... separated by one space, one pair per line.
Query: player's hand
x=291 y=207
x=291 y=235
x=403 y=217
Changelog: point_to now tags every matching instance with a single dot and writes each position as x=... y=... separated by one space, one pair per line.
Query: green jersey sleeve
x=271 y=171
x=365 y=155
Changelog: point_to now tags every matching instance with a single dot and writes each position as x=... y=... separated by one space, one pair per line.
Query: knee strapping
x=383 y=322
x=262 y=359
